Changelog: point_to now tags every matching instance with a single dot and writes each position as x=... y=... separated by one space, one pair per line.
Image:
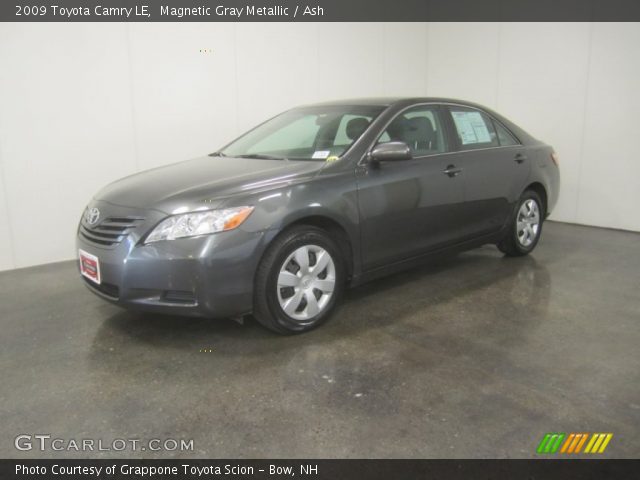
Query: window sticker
x=471 y=127
x=321 y=154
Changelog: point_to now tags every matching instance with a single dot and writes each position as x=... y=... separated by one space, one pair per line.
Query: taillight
x=556 y=158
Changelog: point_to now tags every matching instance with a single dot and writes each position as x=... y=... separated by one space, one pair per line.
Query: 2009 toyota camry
x=281 y=220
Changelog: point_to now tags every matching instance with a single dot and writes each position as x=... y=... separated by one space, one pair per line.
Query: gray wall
x=84 y=104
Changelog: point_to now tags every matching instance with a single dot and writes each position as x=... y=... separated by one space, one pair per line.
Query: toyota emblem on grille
x=92 y=216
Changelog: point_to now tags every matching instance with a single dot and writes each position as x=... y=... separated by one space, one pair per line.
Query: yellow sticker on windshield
x=332 y=158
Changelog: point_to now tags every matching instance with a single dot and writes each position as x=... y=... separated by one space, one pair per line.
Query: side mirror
x=390 y=152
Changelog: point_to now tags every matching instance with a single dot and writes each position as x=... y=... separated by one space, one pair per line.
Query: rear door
x=409 y=207
x=494 y=168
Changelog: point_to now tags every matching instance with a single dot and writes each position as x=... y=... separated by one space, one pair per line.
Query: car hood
x=202 y=181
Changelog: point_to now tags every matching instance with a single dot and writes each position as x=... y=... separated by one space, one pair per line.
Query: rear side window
x=505 y=137
x=420 y=128
x=474 y=128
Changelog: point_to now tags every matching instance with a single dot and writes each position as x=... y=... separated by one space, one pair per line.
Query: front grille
x=111 y=231
x=105 y=288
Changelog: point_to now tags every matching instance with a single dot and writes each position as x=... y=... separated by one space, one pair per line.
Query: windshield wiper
x=261 y=156
x=217 y=154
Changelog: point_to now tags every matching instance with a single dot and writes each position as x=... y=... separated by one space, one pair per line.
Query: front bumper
x=206 y=276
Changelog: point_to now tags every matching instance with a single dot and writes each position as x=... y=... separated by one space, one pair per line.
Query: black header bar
x=319 y=10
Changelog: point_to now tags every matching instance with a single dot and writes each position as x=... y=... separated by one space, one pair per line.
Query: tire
x=285 y=288
x=528 y=213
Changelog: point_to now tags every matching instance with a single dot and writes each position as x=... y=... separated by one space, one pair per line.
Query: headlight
x=199 y=223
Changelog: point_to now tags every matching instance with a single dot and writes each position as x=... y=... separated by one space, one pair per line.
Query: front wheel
x=299 y=281
x=525 y=226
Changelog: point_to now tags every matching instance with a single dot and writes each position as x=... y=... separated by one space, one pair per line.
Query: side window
x=420 y=128
x=350 y=128
x=505 y=137
x=475 y=129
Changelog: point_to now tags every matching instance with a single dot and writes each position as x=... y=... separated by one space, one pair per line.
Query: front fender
x=332 y=197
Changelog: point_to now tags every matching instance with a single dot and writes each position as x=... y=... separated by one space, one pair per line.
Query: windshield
x=309 y=133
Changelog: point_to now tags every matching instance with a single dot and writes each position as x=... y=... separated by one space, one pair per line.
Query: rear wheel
x=299 y=281
x=525 y=226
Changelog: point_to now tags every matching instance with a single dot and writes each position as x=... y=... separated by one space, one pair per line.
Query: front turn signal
x=237 y=219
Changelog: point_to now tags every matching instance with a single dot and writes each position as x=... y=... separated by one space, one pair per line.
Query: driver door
x=410 y=207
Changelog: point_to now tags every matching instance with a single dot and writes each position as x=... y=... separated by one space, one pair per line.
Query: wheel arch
x=337 y=233
x=542 y=193
x=334 y=228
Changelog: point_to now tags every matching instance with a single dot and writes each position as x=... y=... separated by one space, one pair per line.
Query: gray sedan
x=280 y=221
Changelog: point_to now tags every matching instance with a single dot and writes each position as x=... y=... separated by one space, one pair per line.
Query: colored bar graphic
x=567 y=443
x=550 y=443
x=558 y=442
x=581 y=443
x=598 y=442
x=543 y=443
x=590 y=444
x=605 y=442
x=573 y=443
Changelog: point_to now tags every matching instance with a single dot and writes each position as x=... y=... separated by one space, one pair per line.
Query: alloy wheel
x=528 y=222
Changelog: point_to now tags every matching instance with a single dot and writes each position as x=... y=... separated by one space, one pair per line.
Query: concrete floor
x=476 y=356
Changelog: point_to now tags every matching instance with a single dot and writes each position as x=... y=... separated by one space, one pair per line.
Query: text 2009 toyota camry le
x=281 y=220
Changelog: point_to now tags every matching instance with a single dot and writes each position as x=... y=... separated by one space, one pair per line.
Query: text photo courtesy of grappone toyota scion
x=279 y=222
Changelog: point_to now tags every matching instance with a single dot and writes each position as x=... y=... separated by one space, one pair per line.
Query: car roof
x=388 y=101
x=404 y=102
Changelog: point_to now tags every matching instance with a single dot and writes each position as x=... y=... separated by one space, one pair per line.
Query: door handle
x=452 y=170
x=520 y=158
